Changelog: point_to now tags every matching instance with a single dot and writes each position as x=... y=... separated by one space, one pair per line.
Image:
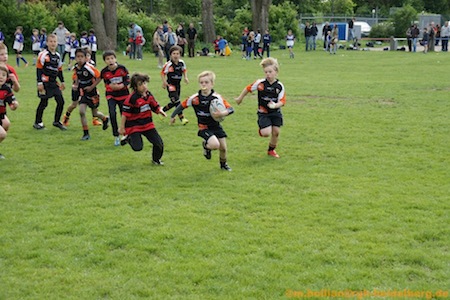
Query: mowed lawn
x=358 y=201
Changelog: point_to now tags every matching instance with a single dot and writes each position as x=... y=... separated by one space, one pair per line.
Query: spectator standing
x=267 y=39
x=314 y=31
x=60 y=32
x=256 y=44
x=431 y=36
x=132 y=32
x=414 y=35
x=35 y=45
x=445 y=34
x=192 y=38
x=158 y=45
x=170 y=39
x=308 y=45
x=425 y=39
x=325 y=29
x=140 y=41
x=351 y=32
x=181 y=35
x=409 y=38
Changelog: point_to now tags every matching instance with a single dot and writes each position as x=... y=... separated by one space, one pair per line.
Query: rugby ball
x=217 y=105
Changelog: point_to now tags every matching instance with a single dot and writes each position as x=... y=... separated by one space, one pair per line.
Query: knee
x=137 y=147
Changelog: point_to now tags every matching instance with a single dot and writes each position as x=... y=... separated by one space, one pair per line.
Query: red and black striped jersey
x=137 y=109
x=87 y=75
x=268 y=92
x=201 y=105
x=174 y=72
x=6 y=98
x=118 y=75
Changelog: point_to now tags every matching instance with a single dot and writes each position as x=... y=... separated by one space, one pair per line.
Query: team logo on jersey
x=261 y=87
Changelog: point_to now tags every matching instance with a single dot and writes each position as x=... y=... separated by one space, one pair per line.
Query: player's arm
x=163 y=78
x=242 y=95
x=39 y=73
x=121 y=128
x=61 y=78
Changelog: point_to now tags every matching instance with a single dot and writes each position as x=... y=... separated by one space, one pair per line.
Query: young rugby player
x=137 y=118
x=174 y=69
x=214 y=137
x=271 y=97
x=6 y=98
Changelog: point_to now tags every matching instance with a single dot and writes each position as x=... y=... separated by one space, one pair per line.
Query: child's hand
x=162 y=112
x=238 y=100
x=12 y=77
x=164 y=85
x=186 y=80
x=14 y=105
x=121 y=130
x=62 y=87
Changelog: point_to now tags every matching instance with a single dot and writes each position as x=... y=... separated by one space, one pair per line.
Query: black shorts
x=91 y=101
x=36 y=52
x=76 y=95
x=271 y=119
x=50 y=91
x=207 y=133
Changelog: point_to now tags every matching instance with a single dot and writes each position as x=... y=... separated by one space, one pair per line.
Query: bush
x=382 y=30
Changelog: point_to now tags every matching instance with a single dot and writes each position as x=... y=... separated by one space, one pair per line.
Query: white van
x=365 y=28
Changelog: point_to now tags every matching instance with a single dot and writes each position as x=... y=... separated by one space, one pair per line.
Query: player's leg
x=277 y=122
x=135 y=141
x=72 y=106
x=38 y=124
x=3 y=133
x=59 y=109
x=158 y=145
x=5 y=123
x=100 y=115
x=223 y=154
x=113 y=118
x=83 y=108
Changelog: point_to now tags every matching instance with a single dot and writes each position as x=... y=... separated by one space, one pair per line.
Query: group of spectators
x=251 y=44
x=431 y=35
x=164 y=37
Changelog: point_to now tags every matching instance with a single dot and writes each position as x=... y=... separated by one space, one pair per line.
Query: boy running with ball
x=271 y=97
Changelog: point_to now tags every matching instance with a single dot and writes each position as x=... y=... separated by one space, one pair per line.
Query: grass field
x=358 y=201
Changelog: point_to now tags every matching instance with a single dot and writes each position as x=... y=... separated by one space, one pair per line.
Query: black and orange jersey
x=86 y=75
x=137 y=109
x=6 y=98
x=268 y=92
x=174 y=72
x=201 y=105
x=118 y=75
x=49 y=67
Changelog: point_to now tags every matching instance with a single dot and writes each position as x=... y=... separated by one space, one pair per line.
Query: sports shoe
x=158 y=162
x=65 y=120
x=116 y=141
x=206 y=152
x=273 y=153
x=96 y=122
x=225 y=167
x=38 y=126
x=2 y=156
x=59 y=125
x=85 y=137
x=184 y=121
x=124 y=141
x=105 y=123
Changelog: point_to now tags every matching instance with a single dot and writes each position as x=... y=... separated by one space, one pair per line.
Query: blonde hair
x=269 y=61
x=209 y=74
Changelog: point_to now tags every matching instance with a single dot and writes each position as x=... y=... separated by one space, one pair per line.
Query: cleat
x=38 y=126
x=158 y=162
x=86 y=137
x=116 y=141
x=273 y=153
x=2 y=156
x=59 y=125
x=65 y=121
x=96 y=122
x=124 y=141
x=206 y=152
x=184 y=121
x=225 y=167
x=105 y=123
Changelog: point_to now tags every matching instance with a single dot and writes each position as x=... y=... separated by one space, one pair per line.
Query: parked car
x=365 y=28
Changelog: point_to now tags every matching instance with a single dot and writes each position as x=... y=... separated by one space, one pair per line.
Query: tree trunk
x=260 y=14
x=209 y=31
x=105 y=25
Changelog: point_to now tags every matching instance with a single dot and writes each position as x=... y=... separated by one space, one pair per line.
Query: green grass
x=358 y=201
